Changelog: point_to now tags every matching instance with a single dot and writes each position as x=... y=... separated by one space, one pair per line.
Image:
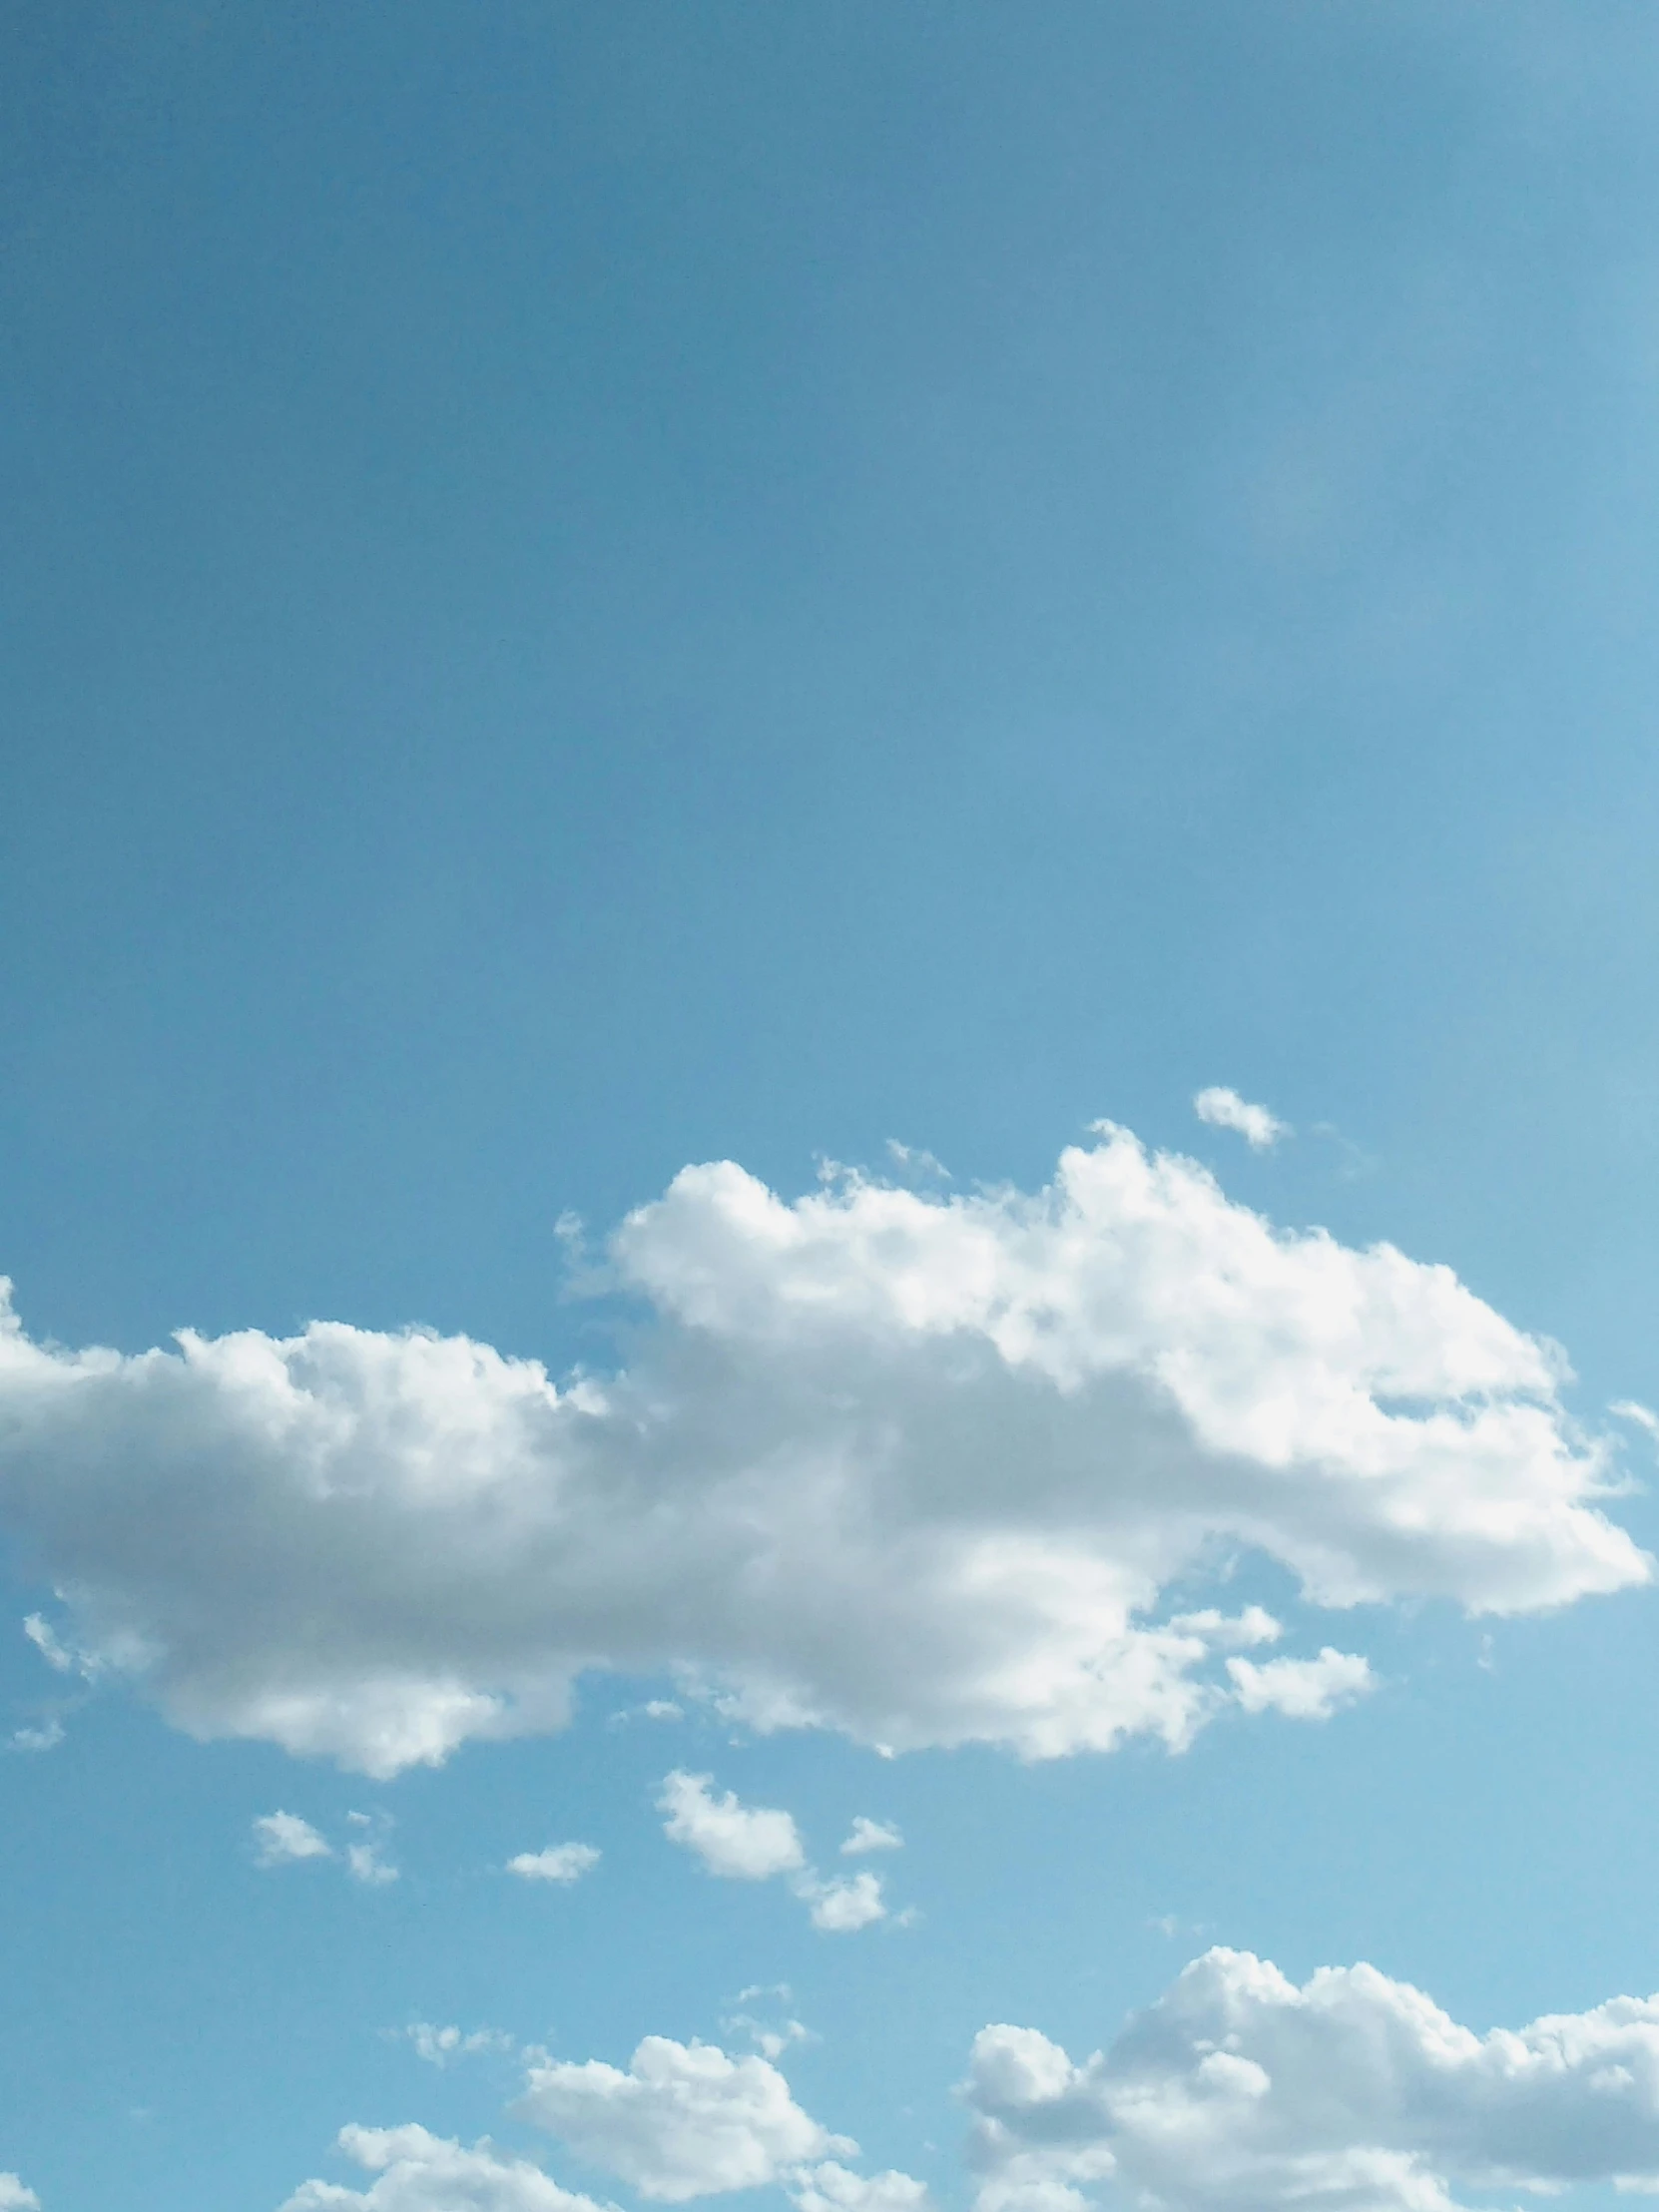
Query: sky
x=828 y=1103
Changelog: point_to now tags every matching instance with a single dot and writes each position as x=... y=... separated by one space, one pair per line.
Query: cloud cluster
x=684 y=2120
x=752 y=1843
x=285 y=1840
x=1239 y=2093
x=14 y=2197
x=924 y=1468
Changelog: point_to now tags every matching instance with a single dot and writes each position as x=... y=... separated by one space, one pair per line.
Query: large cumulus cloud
x=1239 y=2093
x=925 y=1469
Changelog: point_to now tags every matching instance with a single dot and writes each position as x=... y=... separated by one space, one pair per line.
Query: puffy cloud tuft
x=1225 y=1109
x=686 y=2121
x=281 y=1839
x=747 y=1843
x=840 y=1908
x=868 y=1834
x=1239 y=2093
x=559 y=1862
x=14 y=2197
x=916 y=1466
x=418 y=2172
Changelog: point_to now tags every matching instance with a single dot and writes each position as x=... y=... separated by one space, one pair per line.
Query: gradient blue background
x=588 y=587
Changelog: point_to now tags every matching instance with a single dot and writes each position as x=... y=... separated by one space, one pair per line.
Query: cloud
x=47 y=1736
x=364 y=1863
x=284 y=1838
x=833 y=2188
x=871 y=1835
x=919 y=1467
x=559 y=1862
x=1239 y=2093
x=747 y=1843
x=439 y=2047
x=686 y=2121
x=769 y=2038
x=754 y=1843
x=1225 y=1109
x=841 y=1907
x=14 y=2197
x=1301 y=1689
x=50 y=1645
x=420 y=2172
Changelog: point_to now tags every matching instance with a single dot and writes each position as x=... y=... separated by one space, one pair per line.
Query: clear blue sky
x=592 y=589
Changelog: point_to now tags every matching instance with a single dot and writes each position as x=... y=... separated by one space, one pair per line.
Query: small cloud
x=1640 y=1417
x=49 y=1644
x=1225 y=1109
x=47 y=1737
x=840 y=1908
x=1167 y=1924
x=364 y=1863
x=769 y=2038
x=284 y=1839
x=871 y=1835
x=1302 y=1689
x=744 y=1843
x=442 y=2046
x=916 y=1160
x=559 y=1862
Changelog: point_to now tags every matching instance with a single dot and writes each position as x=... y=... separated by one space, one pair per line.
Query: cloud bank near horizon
x=924 y=1468
x=1236 y=2092
x=1239 y=2093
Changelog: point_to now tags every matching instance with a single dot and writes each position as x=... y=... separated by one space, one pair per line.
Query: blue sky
x=853 y=592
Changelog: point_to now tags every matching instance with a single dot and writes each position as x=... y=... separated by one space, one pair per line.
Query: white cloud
x=439 y=2047
x=47 y=1736
x=769 y=2038
x=833 y=2188
x=752 y=1843
x=1225 y=1109
x=364 y=1863
x=1239 y=2093
x=559 y=1862
x=686 y=2121
x=284 y=1838
x=841 y=1907
x=48 y=1643
x=418 y=2172
x=14 y=2197
x=918 y=1467
x=1302 y=1689
x=747 y=1843
x=868 y=1834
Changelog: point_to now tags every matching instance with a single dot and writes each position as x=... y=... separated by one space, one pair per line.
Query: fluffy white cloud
x=1239 y=2093
x=558 y=1862
x=1225 y=1109
x=868 y=1834
x=282 y=1838
x=749 y=1843
x=418 y=2172
x=833 y=2188
x=14 y=2197
x=919 y=1467
x=685 y=2120
x=845 y=1905
x=1302 y=1689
